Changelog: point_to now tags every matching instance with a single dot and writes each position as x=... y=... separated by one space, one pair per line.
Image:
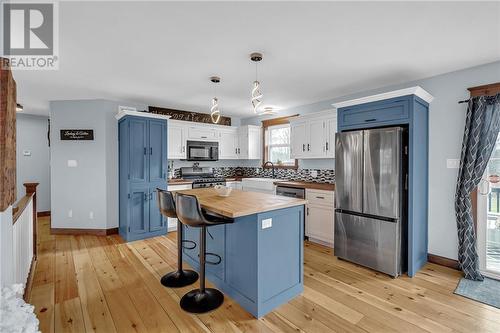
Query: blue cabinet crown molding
x=143 y=162
x=411 y=111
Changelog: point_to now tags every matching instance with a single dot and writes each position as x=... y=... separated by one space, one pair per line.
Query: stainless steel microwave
x=202 y=151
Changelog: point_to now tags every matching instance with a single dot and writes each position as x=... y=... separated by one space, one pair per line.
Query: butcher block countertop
x=310 y=185
x=240 y=203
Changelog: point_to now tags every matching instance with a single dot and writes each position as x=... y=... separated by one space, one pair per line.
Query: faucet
x=272 y=166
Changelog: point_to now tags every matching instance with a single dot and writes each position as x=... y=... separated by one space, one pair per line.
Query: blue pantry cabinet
x=143 y=161
x=407 y=107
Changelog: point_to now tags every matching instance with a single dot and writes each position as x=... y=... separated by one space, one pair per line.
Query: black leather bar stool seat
x=190 y=213
x=180 y=277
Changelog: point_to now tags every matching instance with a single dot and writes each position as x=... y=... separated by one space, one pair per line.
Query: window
x=277 y=143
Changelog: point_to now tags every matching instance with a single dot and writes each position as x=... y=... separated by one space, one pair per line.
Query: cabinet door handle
x=320 y=197
x=236 y=150
x=370 y=120
x=145 y=151
x=183 y=148
x=308 y=147
x=327 y=146
x=303 y=147
x=203 y=137
x=145 y=197
x=151 y=196
x=151 y=151
x=307 y=210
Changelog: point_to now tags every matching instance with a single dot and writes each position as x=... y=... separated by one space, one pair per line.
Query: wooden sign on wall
x=188 y=116
x=77 y=134
x=7 y=138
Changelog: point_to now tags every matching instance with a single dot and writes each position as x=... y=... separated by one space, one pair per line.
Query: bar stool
x=180 y=277
x=189 y=213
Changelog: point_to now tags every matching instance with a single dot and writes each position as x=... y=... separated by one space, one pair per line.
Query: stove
x=202 y=177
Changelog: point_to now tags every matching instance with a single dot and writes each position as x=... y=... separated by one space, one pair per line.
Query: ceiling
x=163 y=53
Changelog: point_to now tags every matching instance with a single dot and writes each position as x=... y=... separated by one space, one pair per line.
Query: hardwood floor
x=98 y=283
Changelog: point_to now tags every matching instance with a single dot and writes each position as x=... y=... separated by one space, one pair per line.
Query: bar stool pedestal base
x=197 y=301
x=179 y=279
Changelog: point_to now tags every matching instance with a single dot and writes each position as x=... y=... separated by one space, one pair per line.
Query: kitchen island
x=261 y=253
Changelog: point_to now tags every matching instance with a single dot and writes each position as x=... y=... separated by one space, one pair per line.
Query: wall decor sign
x=77 y=134
x=188 y=115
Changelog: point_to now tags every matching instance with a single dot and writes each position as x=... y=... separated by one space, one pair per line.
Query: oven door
x=202 y=151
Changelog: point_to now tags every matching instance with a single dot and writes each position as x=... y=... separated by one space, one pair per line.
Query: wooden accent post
x=31 y=190
x=7 y=138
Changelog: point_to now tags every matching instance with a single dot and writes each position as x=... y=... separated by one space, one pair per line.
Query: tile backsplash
x=323 y=176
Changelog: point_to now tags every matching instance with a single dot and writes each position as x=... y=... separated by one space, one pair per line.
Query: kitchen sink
x=265 y=185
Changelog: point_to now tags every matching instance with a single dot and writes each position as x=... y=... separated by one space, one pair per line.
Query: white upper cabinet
x=228 y=144
x=250 y=142
x=313 y=136
x=202 y=133
x=243 y=142
x=177 y=133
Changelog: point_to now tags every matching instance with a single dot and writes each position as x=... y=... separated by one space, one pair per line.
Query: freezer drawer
x=369 y=242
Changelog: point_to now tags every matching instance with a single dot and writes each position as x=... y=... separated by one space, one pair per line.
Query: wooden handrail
x=20 y=206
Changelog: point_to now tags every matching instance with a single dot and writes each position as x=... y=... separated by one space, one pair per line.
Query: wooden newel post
x=31 y=190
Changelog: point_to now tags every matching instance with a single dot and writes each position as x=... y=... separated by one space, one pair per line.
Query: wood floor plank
x=69 y=316
x=102 y=284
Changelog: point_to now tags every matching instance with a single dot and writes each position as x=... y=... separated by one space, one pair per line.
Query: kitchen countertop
x=240 y=203
x=309 y=185
x=179 y=181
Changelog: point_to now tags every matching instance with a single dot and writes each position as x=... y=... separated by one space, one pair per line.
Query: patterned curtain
x=481 y=130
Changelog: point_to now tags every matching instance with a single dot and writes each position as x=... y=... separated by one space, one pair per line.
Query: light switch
x=453 y=163
x=267 y=223
x=72 y=163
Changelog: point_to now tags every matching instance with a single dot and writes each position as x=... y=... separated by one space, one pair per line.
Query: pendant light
x=256 y=94
x=214 y=109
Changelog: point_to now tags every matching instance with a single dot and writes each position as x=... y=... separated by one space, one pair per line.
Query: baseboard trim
x=29 y=282
x=42 y=214
x=443 y=261
x=95 y=232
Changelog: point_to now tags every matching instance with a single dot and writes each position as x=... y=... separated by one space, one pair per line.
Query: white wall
x=32 y=135
x=446 y=127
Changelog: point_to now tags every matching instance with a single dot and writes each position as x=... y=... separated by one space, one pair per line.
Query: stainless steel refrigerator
x=370 y=214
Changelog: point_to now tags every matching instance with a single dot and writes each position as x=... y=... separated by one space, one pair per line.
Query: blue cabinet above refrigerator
x=142 y=141
x=409 y=108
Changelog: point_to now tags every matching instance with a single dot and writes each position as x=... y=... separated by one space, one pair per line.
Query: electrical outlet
x=267 y=223
x=91 y=215
x=72 y=163
x=26 y=152
x=70 y=213
x=314 y=173
x=453 y=163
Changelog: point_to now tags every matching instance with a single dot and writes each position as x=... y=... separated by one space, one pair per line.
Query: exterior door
x=349 y=171
x=316 y=139
x=157 y=150
x=138 y=153
x=382 y=172
x=488 y=217
x=139 y=209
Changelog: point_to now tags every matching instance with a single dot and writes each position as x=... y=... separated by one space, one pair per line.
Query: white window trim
x=278 y=145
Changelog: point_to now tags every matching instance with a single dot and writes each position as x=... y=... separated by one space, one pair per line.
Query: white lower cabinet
x=172 y=223
x=320 y=216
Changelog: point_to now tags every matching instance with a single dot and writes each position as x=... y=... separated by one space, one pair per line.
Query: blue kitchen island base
x=262 y=256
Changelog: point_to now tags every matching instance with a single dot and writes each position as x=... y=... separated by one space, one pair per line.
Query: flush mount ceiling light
x=256 y=94
x=268 y=110
x=19 y=107
x=214 y=109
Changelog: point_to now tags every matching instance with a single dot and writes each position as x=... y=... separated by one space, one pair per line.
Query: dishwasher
x=293 y=192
